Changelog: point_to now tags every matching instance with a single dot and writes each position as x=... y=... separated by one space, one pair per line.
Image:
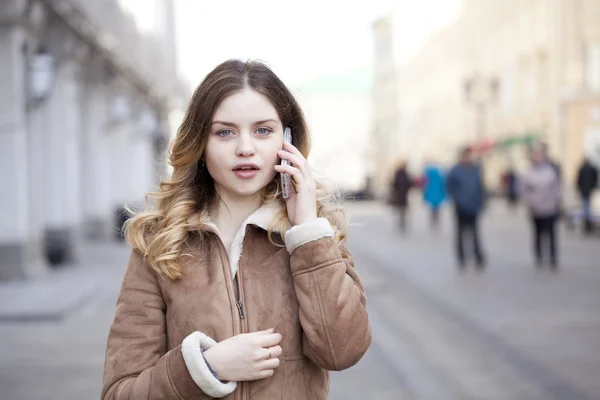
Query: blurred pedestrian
x=465 y=188
x=587 y=181
x=543 y=147
x=230 y=282
x=540 y=190
x=509 y=181
x=399 y=197
x=555 y=166
x=434 y=191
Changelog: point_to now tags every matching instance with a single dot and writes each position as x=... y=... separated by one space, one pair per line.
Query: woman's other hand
x=245 y=357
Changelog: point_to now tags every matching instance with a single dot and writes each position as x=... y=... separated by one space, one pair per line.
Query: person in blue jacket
x=465 y=188
x=434 y=191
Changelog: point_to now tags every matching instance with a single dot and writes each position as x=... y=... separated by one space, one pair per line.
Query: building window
x=593 y=67
x=383 y=49
x=543 y=76
x=527 y=82
x=507 y=94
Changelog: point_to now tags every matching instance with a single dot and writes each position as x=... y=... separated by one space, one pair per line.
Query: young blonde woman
x=232 y=291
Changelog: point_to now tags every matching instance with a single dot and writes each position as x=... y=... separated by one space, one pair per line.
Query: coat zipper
x=243 y=321
x=240 y=309
x=238 y=296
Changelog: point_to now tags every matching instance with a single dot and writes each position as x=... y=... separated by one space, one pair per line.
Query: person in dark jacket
x=509 y=181
x=465 y=188
x=587 y=181
x=400 y=188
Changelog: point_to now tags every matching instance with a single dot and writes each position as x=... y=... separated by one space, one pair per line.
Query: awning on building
x=493 y=144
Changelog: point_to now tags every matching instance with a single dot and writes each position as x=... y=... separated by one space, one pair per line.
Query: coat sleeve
x=137 y=363
x=332 y=298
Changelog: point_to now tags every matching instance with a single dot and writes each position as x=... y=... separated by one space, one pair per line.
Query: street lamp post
x=480 y=92
x=40 y=77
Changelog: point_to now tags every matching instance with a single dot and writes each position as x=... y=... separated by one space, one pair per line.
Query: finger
x=301 y=161
x=299 y=181
x=296 y=161
x=260 y=354
x=271 y=363
x=293 y=171
x=275 y=351
x=262 y=333
x=294 y=150
x=265 y=373
x=268 y=354
x=270 y=340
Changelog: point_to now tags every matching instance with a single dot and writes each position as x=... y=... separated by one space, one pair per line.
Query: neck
x=229 y=212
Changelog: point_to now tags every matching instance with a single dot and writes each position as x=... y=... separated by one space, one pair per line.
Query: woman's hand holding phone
x=302 y=199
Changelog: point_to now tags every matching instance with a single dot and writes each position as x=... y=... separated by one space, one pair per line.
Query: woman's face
x=242 y=146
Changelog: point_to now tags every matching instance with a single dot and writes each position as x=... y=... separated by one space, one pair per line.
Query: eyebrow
x=235 y=125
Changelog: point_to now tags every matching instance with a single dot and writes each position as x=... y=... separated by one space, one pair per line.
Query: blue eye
x=263 y=131
x=225 y=133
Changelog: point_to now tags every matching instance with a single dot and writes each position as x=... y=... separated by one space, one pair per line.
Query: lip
x=246 y=173
x=251 y=165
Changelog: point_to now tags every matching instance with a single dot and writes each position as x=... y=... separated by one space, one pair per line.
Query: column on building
x=145 y=165
x=131 y=169
x=39 y=116
x=63 y=167
x=95 y=177
x=14 y=218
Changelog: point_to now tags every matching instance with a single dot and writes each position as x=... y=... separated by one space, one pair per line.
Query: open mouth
x=246 y=171
x=246 y=168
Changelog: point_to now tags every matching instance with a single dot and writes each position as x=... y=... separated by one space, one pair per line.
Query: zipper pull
x=240 y=309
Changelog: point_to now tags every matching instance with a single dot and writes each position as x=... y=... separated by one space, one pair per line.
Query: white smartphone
x=285 y=177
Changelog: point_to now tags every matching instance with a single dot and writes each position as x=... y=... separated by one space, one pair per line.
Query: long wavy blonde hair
x=160 y=231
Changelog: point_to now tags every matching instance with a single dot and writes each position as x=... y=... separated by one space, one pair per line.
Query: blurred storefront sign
x=488 y=145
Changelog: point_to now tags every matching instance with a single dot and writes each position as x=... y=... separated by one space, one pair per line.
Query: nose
x=245 y=146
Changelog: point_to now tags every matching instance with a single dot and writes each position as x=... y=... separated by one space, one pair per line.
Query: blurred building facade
x=84 y=109
x=385 y=134
x=337 y=108
x=503 y=73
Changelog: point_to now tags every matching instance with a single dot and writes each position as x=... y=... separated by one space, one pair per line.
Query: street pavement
x=509 y=332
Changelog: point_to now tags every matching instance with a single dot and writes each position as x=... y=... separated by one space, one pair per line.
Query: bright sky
x=299 y=39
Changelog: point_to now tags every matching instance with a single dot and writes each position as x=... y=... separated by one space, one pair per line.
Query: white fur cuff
x=307 y=232
x=196 y=365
